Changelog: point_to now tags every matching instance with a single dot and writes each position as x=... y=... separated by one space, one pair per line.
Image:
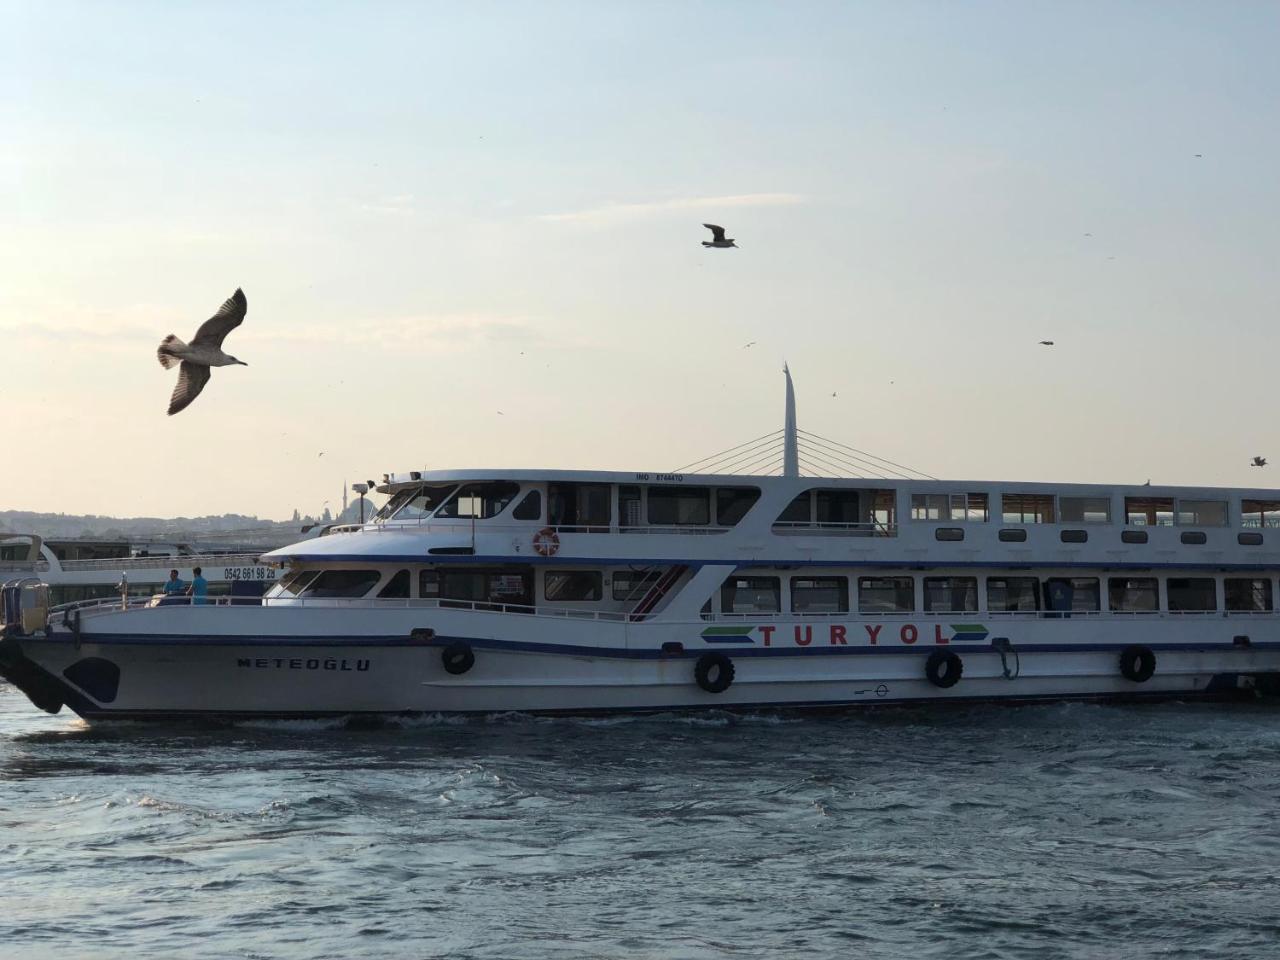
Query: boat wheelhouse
x=586 y=591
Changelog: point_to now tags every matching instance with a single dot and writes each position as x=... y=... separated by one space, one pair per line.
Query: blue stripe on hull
x=655 y=653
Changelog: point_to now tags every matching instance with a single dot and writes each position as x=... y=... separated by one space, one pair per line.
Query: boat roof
x=400 y=481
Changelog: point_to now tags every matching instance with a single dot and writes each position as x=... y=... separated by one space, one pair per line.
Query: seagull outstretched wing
x=717 y=233
x=214 y=330
x=191 y=380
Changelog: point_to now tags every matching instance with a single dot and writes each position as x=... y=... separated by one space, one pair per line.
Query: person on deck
x=174 y=589
x=199 y=588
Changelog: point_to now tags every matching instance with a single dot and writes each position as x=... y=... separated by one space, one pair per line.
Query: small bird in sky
x=320 y=454
x=1199 y=154
x=1088 y=234
x=204 y=351
x=833 y=393
x=1046 y=343
x=751 y=344
x=1259 y=462
x=717 y=237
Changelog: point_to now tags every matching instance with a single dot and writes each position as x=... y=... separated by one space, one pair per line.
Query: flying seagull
x=1259 y=462
x=1046 y=343
x=204 y=351
x=717 y=237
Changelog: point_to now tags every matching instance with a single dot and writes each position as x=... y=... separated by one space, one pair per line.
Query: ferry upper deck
x=560 y=516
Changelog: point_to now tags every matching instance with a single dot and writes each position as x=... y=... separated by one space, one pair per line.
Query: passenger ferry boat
x=79 y=569
x=582 y=591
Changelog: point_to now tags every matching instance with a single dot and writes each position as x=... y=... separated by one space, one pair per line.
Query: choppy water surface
x=1052 y=831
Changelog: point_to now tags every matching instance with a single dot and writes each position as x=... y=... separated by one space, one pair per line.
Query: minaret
x=344 y=497
x=790 y=450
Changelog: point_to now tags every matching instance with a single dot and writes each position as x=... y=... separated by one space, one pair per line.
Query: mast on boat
x=791 y=447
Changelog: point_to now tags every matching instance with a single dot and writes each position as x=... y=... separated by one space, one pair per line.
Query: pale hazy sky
x=439 y=211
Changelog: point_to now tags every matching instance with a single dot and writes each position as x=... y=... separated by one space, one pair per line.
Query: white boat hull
x=265 y=662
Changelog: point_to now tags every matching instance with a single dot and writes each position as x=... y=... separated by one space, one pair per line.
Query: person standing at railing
x=174 y=589
x=174 y=584
x=199 y=589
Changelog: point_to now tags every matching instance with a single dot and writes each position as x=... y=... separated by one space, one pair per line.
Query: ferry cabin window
x=820 y=594
x=417 y=503
x=294 y=582
x=505 y=585
x=1245 y=595
x=1071 y=594
x=1084 y=509
x=1026 y=508
x=679 y=506
x=480 y=501
x=1013 y=594
x=580 y=507
x=886 y=594
x=429 y=584
x=1202 y=513
x=397 y=587
x=971 y=507
x=630 y=507
x=732 y=504
x=1148 y=511
x=751 y=595
x=1133 y=594
x=884 y=508
x=1192 y=594
x=954 y=594
x=341 y=583
x=837 y=507
x=798 y=511
x=1260 y=513
x=566 y=586
x=530 y=508
x=632 y=585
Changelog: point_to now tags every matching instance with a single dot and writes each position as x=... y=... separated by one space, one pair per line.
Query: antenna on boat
x=791 y=446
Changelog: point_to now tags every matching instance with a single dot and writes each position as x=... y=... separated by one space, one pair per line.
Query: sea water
x=1069 y=831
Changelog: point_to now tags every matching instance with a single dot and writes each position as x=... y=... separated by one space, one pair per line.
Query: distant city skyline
x=471 y=236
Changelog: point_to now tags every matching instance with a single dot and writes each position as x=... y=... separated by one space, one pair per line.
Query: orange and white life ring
x=546 y=542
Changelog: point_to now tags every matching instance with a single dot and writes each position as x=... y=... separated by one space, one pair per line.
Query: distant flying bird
x=751 y=344
x=1088 y=234
x=1199 y=154
x=1259 y=462
x=204 y=351
x=833 y=393
x=717 y=237
x=1046 y=343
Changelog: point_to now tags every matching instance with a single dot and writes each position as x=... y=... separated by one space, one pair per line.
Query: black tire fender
x=714 y=672
x=458 y=658
x=944 y=668
x=1137 y=663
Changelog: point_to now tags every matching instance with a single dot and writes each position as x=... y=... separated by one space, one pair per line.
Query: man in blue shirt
x=199 y=588
x=174 y=588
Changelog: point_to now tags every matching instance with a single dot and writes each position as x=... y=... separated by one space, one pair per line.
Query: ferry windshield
x=416 y=503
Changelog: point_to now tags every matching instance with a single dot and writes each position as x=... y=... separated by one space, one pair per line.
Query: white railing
x=115 y=604
x=480 y=527
x=163 y=562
